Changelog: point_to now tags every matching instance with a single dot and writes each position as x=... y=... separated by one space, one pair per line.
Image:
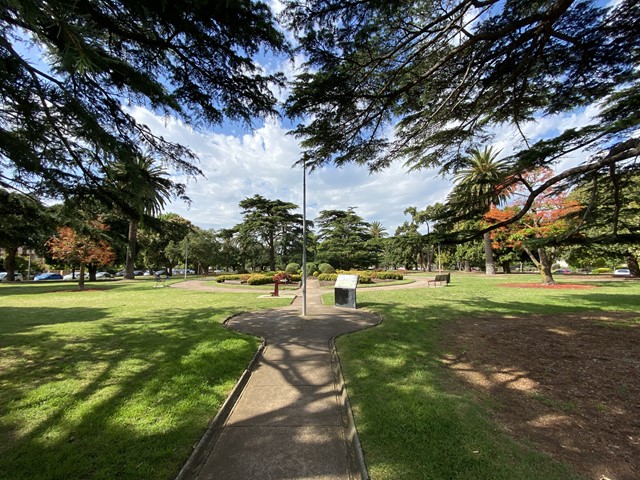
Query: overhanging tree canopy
x=426 y=81
x=70 y=69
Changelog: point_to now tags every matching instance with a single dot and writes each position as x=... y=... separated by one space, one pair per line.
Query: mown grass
x=116 y=382
x=412 y=426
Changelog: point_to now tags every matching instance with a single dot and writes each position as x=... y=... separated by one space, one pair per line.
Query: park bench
x=444 y=278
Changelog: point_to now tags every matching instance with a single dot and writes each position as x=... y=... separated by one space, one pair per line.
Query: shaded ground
x=569 y=384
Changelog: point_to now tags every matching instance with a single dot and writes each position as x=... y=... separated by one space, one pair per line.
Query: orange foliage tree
x=552 y=216
x=81 y=249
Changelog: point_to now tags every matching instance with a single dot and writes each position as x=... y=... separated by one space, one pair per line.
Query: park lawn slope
x=115 y=382
x=414 y=418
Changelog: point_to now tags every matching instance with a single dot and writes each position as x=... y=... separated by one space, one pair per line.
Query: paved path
x=291 y=420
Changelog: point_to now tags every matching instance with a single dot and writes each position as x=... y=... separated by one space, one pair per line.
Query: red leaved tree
x=81 y=249
x=552 y=216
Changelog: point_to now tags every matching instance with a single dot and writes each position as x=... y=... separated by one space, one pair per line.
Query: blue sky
x=239 y=163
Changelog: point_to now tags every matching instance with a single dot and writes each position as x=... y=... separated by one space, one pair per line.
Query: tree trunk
x=506 y=267
x=93 y=269
x=131 y=249
x=545 y=271
x=81 y=279
x=10 y=263
x=467 y=266
x=488 y=254
x=632 y=263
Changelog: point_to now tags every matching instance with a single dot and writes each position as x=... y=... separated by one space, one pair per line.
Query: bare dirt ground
x=568 y=384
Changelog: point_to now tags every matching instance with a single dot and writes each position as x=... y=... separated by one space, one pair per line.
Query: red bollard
x=275 y=289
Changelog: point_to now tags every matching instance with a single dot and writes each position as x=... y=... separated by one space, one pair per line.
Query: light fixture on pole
x=186 y=257
x=304 y=239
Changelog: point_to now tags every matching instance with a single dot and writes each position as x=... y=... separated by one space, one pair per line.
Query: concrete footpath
x=290 y=417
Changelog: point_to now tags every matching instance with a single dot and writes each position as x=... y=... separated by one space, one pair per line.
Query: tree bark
x=81 y=279
x=488 y=254
x=10 y=263
x=93 y=269
x=131 y=249
x=467 y=266
x=545 y=271
x=632 y=263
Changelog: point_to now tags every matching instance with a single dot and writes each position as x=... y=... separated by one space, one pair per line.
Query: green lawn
x=118 y=382
x=411 y=425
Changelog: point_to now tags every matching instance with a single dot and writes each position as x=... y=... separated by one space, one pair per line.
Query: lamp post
x=186 y=258
x=304 y=239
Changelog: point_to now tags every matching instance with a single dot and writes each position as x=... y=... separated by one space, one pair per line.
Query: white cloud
x=241 y=165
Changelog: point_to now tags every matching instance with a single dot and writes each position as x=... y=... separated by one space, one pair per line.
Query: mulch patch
x=570 y=384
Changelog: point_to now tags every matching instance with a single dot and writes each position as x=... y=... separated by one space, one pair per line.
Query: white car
x=101 y=275
x=17 y=276
x=622 y=272
x=70 y=276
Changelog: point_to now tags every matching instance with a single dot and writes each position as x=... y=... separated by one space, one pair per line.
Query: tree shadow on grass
x=124 y=399
x=410 y=424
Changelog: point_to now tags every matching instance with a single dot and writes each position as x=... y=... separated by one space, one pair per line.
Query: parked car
x=103 y=275
x=70 y=276
x=622 y=272
x=17 y=277
x=562 y=271
x=48 y=276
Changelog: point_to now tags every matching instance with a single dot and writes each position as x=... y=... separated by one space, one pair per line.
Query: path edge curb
x=202 y=449
x=357 y=464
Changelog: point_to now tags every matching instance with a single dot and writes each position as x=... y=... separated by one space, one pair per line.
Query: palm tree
x=377 y=230
x=481 y=185
x=145 y=189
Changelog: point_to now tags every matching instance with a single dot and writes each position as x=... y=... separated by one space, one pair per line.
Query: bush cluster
x=601 y=270
x=292 y=268
x=326 y=268
x=222 y=278
x=328 y=277
x=373 y=275
x=259 y=279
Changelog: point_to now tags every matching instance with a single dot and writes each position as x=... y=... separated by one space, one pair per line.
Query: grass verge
x=412 y=426
x=119 y=381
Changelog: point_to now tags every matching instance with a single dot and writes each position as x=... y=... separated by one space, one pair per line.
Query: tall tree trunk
x=467 y=265
x=506 y=267
x=488 y=255
x=10 y=263
x=543 y=265
x=81 y=279
x=632 y=263
x=93 y=269
x=545 y=271
x=131 y=249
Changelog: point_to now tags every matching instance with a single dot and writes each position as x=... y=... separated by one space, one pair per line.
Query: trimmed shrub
x=326 y=268
x=311 y=268
x=222 y=278
x=295 y=278
x=259 y=279
x=601 y=270
x=316 y=274
x=292 y=268
x=388 y=275
x=328 y=277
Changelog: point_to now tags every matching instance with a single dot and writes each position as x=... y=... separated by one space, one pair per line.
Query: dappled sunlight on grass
x=113 y=383
x=411 y=424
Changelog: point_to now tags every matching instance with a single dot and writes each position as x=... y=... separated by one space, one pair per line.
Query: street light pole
x=186 y=258
x=304 y=239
